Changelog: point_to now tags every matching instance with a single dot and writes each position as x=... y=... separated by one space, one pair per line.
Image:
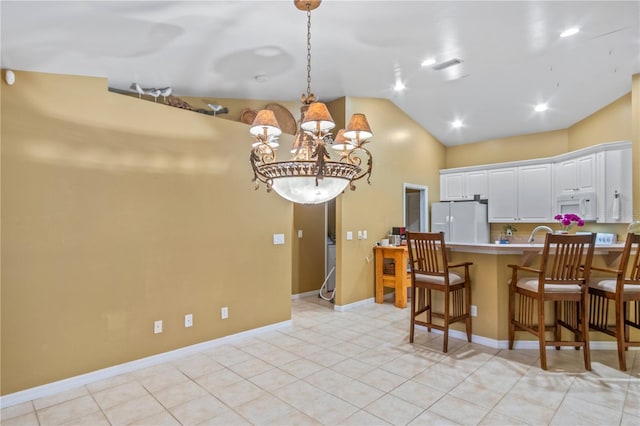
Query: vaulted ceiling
x=513 y=57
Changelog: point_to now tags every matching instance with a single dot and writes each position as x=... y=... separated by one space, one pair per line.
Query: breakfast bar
x=489 y=276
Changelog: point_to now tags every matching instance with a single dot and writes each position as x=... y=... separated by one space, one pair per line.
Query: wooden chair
x=624 y=291
x=430 y=272
x=562 y=279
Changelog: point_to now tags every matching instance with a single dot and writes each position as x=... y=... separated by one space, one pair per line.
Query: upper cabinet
x=520 y=194
x=463 y=185
x=575 y=174
x=615 y=201
x=533 y=190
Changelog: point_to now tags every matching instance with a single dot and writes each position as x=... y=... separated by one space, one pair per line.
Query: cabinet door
x=452 y=187
x=534 y=193
x=503 y=195
x=565 y=176
x=617 y=180
x=586 y=173
x=476 y=183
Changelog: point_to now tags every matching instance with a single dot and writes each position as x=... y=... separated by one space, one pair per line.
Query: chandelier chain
x=309 y=95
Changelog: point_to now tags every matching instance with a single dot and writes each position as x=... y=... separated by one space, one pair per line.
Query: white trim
x=342 y=308
x=520 y=344
x=105 y=373
x=306 y=294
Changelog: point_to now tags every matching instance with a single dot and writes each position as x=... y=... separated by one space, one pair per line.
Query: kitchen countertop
x=529 y=251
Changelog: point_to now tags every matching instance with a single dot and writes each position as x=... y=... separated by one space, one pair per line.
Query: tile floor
x=352 y=368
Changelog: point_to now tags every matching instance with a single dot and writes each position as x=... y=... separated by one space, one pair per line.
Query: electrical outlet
x=188 y=320
x=360 y=235
x=157 y=327
x=224 y=312
x=474 y=310
x=299 y=233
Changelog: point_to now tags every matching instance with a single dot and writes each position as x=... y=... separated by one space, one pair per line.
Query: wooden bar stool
x=430 y=272
x=623 y=289
x=562 y=279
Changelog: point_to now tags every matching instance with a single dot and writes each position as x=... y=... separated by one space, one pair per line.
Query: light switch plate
x=349 y=235
x=278 y=239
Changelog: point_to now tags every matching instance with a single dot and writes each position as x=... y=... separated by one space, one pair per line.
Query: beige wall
x=402 y=152
x=516 y=148
x=117 y=212
x=609 y=124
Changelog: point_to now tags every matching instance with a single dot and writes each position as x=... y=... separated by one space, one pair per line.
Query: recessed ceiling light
x=456 y=124
x=399 y=87
x=541 y=107
x=569 y=32
x=428 y=62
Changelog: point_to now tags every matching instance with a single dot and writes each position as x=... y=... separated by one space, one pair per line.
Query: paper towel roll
x=615 y=209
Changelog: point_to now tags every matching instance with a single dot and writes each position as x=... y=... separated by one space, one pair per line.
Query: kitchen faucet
x=536 y=229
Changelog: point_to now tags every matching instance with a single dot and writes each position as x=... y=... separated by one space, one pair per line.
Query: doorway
x=415 y=207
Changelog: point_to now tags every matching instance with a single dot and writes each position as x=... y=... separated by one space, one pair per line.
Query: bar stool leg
x=541 y=336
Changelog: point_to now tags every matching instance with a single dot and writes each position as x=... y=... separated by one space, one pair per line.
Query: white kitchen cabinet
x=529 y=190
x=503 y=195
x=614 y=190
x=575 y=174
x=520 y=194
x=463 y=185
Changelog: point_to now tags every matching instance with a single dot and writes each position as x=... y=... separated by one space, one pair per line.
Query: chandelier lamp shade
x=311 y=176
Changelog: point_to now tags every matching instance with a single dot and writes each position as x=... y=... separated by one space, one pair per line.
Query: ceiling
x=513 y=57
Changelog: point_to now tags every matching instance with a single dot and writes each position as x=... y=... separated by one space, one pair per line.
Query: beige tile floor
x=352 y=368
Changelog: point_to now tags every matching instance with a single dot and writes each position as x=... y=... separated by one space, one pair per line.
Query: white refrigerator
x=461 y=221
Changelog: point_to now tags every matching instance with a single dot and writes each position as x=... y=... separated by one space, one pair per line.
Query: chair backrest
x=630 y=260
x=566 y=259
x=427 y=253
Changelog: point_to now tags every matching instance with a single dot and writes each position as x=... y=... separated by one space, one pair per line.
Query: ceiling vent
x=447 y=64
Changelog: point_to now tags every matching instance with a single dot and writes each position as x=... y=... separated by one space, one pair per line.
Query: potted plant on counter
x=567 y=220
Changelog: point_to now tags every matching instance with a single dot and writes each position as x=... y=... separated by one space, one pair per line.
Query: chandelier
x=310 y=176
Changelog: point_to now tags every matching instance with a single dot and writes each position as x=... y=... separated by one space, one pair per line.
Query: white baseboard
x=521 y=344
x=342 y=308
x=127 y=367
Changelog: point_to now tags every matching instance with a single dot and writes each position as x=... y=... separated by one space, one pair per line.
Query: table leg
x=400 y=259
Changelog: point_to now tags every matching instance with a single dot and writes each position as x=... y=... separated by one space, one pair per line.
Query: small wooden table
x=400 y=280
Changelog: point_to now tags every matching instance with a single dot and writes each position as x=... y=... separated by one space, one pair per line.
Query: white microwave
x=581 y=203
